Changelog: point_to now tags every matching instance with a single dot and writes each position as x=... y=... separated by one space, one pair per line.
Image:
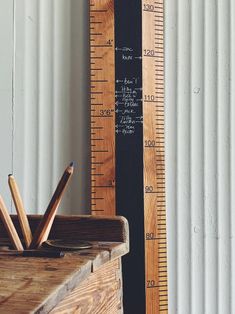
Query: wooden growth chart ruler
x=127 y=139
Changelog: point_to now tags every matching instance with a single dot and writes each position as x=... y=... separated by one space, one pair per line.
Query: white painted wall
x=200 y=163
x=6 y=66
x=44 y=107
x=44 y=124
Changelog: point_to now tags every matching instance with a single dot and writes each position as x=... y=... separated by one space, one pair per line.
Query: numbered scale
x=127 y=139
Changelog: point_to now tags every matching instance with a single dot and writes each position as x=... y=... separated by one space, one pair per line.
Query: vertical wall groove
x=45 y=104
x=53 y=176
x=62 y=97
x=13 y=91
x=183 y=158
x=13 y=85
x=30 y=102
x=210 y=135
x=223 y=156
x=197 y=157
x=6 y=65
x=232 y=151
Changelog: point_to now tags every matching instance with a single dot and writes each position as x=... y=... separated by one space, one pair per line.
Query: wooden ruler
x=154 y=156
x=127 y=139
x=102 y=107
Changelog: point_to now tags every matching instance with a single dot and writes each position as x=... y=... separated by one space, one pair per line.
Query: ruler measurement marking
x=156 y=110
x=96 y=57
x=153 y=84
x=96 y=34
x=101 y=46
x=97 y=198
x=99 y=11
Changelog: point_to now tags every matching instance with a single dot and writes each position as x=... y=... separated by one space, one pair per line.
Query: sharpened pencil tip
x=71 y=164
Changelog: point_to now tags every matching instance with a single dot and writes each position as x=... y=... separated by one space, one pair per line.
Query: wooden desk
x=88 y=281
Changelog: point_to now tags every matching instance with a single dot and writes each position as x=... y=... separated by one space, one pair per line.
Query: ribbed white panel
x=232 y=152
x=223 y=149
x=183 y=183
x=200 y=119
x=6 y=97
x=197 y=157
x=44 y=100
x=210 y=153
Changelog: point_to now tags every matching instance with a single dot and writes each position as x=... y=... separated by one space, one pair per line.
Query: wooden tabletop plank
x=42 y=281
x=37 y=285
x=45 y=282
x=99 y=290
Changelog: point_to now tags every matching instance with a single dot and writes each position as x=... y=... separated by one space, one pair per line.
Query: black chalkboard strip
x=129 y=146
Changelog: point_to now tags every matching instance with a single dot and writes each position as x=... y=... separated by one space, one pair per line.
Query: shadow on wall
x=70 y=113
x=80 y=112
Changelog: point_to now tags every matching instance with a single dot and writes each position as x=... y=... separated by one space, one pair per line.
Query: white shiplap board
x=44 y=118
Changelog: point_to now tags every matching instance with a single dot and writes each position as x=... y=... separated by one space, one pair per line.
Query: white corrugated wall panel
x=6 y=99
x=200 y=155
x=232 y=153
x=50 y=110
x=44 y=118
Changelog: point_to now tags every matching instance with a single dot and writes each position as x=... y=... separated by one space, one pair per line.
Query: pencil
x=43 y=230
x=15 y=240
x=24 y=223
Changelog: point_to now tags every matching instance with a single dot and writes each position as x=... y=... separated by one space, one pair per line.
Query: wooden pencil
x=15 y=240
x=42 y=231
x=24 y=223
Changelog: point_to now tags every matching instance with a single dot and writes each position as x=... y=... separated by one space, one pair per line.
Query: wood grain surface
x=100 y=293
x=9 y=226
x=41 y=233
x=24 y=223
x=90 y=228
x=37 y=285
x=102 y=107
x=154 y=157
